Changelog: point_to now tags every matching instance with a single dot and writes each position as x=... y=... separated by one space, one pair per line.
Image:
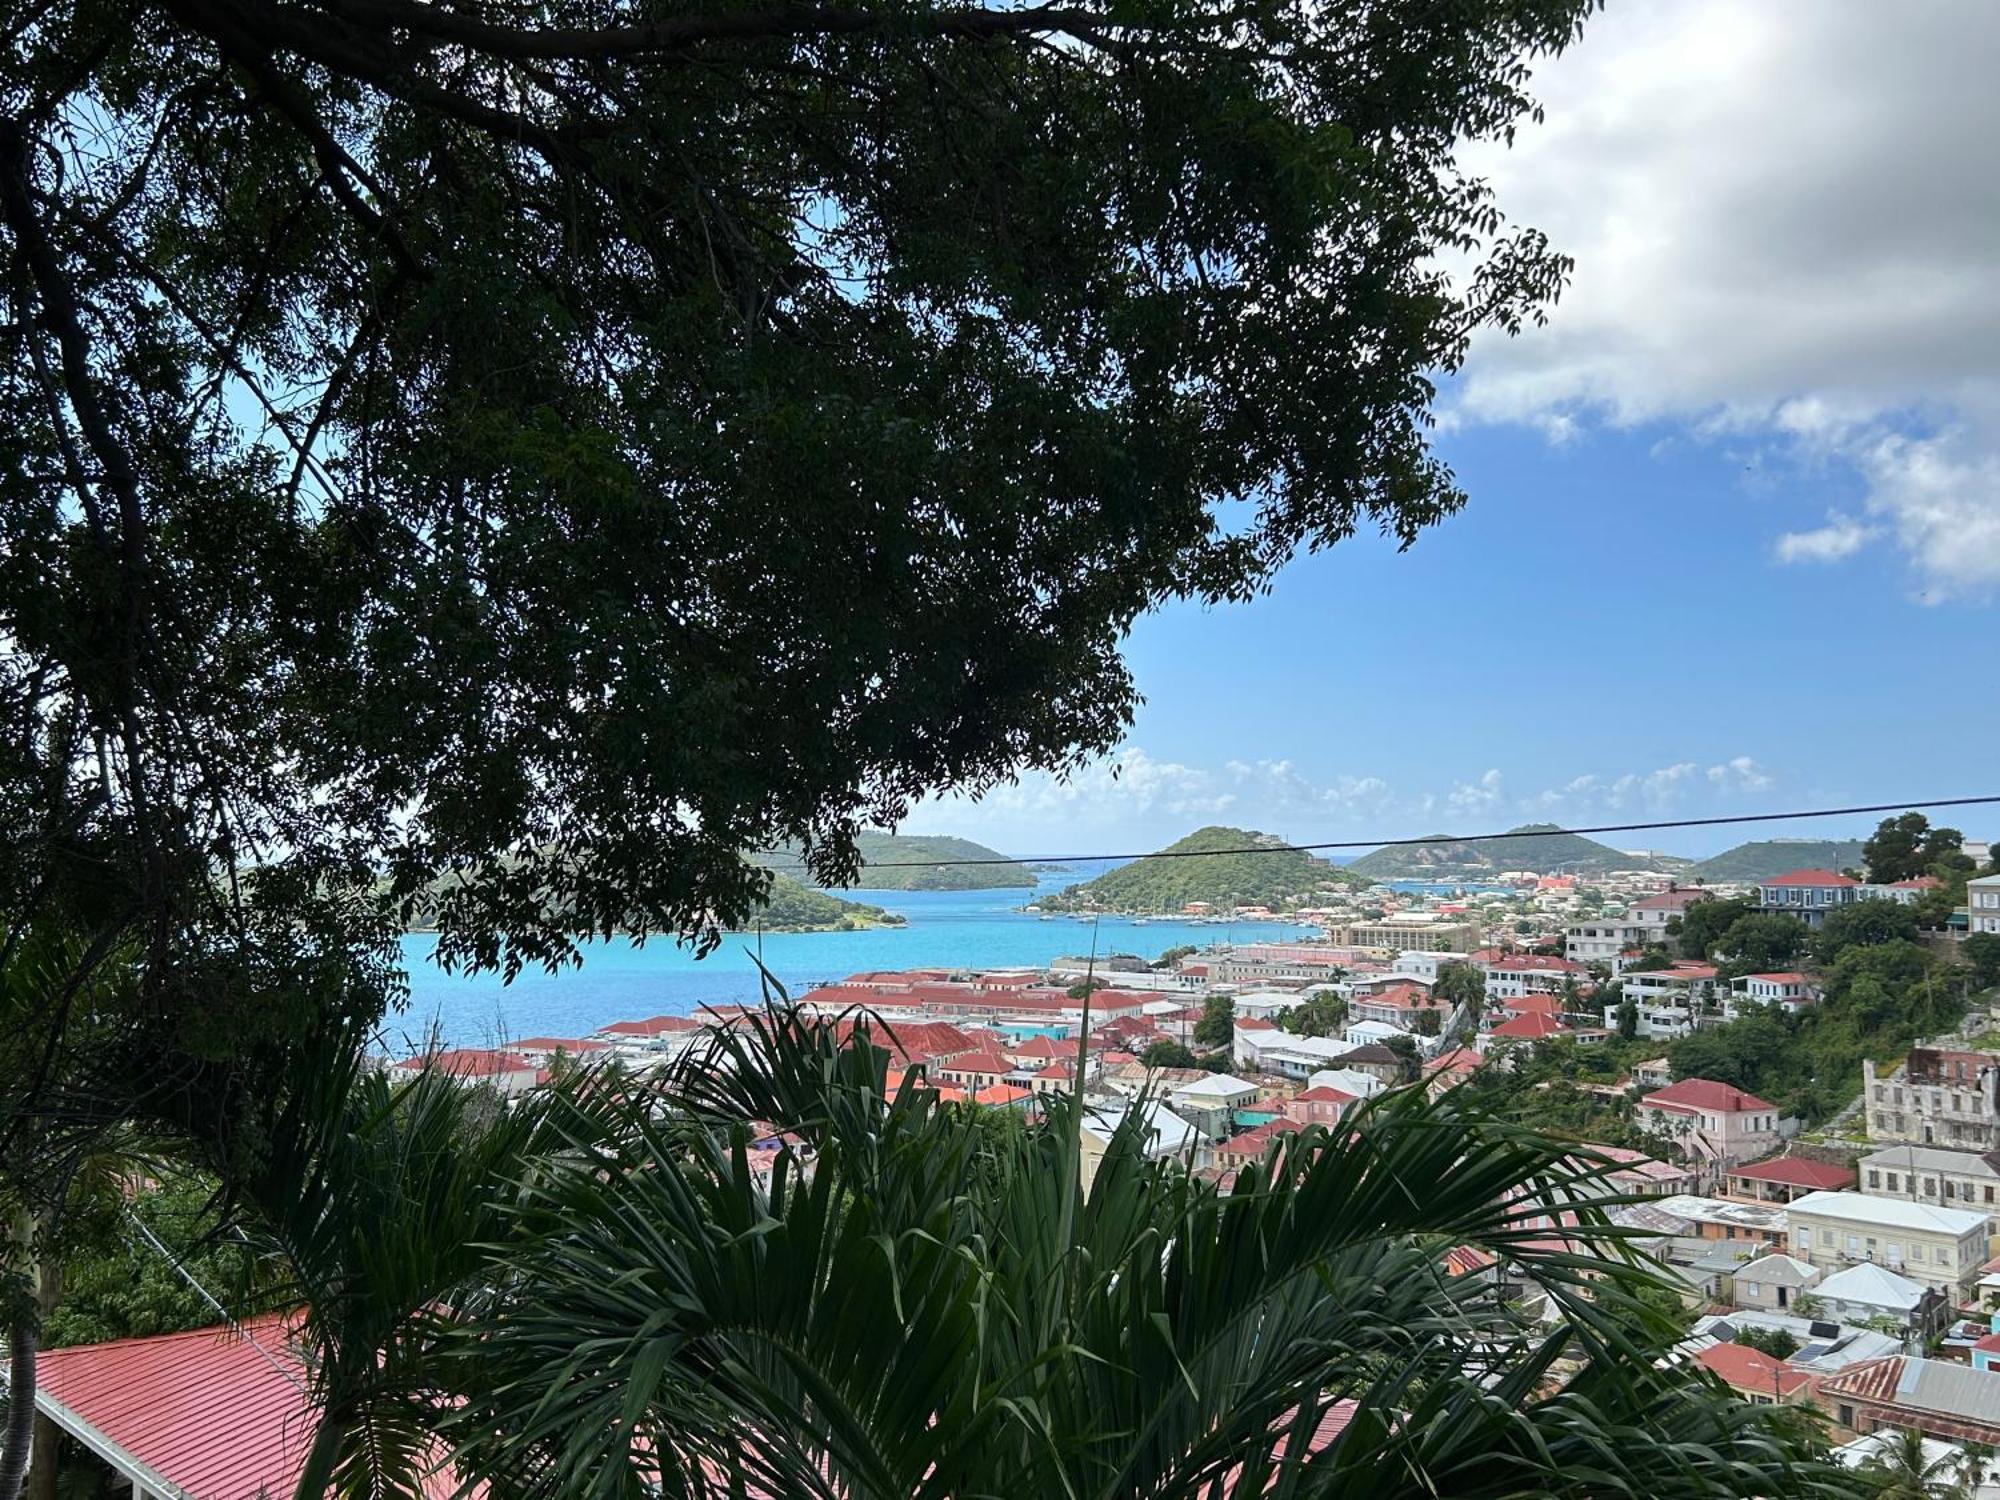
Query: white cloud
x=1136 y=800
x=1783 y=219
x=1842 y=536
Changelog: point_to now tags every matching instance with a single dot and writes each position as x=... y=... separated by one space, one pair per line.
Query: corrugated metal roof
x=206 y=1410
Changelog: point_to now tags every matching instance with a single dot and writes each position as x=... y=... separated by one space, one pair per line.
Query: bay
x=622 y=980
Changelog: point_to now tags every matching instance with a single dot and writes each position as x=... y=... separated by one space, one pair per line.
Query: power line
x=209 y=1297
x=1466 y=838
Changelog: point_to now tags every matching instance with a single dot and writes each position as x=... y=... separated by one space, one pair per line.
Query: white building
x=1422 y=964
x=1790 y=991
x=1941 y=1247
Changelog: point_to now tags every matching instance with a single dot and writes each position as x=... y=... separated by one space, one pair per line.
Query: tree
x=1775 y=1342
x=1463 y=984
x=1863 y=924
x=1170 y=959
x=1131 y=1309
x=1427 y=1022
x=1628 y=1020
x=1217 y=1026
x=1083 y=989
x=1981 y=952
x=1407 y=1055
x=1762 y=944
x=1324 y=1014
x=1906 y=846
x=1167 y=1053
x=1703 y=923
x=1902 y=1468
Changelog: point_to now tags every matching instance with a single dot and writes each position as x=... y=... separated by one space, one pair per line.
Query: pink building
x=1712 y=1121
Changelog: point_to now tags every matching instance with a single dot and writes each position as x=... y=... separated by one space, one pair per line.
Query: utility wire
x=209 y=1297
x=1466 y=838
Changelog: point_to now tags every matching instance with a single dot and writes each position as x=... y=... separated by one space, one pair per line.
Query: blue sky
x=1734 y=534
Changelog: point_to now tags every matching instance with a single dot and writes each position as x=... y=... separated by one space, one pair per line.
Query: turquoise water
x=622 y=980
x=1250 y=1119
x=1020 y=1033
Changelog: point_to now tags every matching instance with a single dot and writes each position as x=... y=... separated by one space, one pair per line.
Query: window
x=1930 y=1187
x=1874 y=1178
x=1892 y=1182
x=1826 y=1238
x=1847 y=1417
x=1989 y=1192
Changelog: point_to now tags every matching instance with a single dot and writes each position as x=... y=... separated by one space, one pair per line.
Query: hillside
x=1154 y=884
x=1532 y=846
x=901 y=851
x=798 y=908
x=1763 y=858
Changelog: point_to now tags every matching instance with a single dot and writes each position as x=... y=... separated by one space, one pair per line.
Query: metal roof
x=1888 y=1213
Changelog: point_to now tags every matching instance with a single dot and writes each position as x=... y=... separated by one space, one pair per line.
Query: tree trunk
x=316 y=1478
x=21 y=1345
x=42 y=1477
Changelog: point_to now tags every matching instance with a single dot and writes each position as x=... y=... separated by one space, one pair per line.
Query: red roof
x=1705 y=1093
x=1458 y=1060
x=209 y=1411
x=1813 y=878
x=1990 y=1344
x=915 y=1041
x=1798 y=1171
x=1039 y=1046
x=1533 y=1025
x=559 y=1044
x=1002 y=1093
x=470 y=1062
x=977 y=1062
x=1918 y=883
x=1787 y=978
x=657 y=1026
x=1325 y=1094
x=1256 y=1023
x=1750 y=1369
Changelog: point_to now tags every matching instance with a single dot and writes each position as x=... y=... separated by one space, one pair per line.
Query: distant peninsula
x=896 y=862
x=1764 y=858
x=1538 y=847
x=1197 y=869
x=793 y=907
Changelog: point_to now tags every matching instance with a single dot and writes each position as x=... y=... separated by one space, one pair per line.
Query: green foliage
x=116 y=1285
x=1532 y=846
x=1701 y=925
x=1981 y=952
x=891 y=862
x=1317 y=1015
x=1764 y=858
x=1461 y=984
x=1651 y=958
x=1084 y=988
x=1217 y=1026
x=792 y=907
x=1775 y=1342
x=1906 y=846
x=1167 y=960
x=1539 y=1090
x=1878 y=1000
x=1628 y=1020
x=1170 y=1331
x=1168 y=1053
x=1222 y=880
x=1762 y=944
x=1861 y=924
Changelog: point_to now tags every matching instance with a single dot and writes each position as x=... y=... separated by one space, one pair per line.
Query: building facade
x=1982 y=904
x=1936 y=1177
x=1938 y=1097
x=1940 y=1247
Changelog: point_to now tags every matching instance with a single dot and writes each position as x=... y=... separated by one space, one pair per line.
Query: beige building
x=1940 y=1247
x=1407 y=932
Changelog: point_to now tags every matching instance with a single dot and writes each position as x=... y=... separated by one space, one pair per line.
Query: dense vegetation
x=892 y=862
x=1882 y=991
x=1532 y=846
x=1763 y=858
x=792 y=907
x=1222 y=880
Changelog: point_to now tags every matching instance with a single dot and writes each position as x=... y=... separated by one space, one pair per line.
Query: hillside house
x=1711 y=1122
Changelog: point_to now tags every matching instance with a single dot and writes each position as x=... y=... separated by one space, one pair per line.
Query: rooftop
x=1706 y=1093
x=1797 y=1171
x=1812 y=878
x=1889 y=1213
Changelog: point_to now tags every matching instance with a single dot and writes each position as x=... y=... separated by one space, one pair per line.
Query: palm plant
x=379 y=1200
x=894 y=1302
x=1902 y=1468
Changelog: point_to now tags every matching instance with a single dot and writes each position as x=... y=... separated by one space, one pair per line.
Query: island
x=896 y=862
x=1215 y=868
x=1541 y=848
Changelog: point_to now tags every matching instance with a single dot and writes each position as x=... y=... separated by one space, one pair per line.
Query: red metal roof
x=469 y=1062
x=204 y=1410
x=1705 y=1093
x=1748 y=1369
x=1812 y=878
x=1532 y=1025
x=656 y=1026
x=1798 y=1172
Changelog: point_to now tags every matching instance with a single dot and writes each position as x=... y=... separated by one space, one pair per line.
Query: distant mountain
x=1532 y=846
x=1763 y=858
x=1197 y=871
x=891 y=862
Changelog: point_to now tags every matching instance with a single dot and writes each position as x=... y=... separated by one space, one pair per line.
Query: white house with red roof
x=1788 y=990
x=655 y=1034
x=1712 y=1122
x=1399 y=1005
x=507 y=1073
x=1252 y=1035
x=1672 y=1001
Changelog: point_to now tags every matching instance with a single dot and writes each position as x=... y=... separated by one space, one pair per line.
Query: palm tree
x=1900 y=1468
x=379 y=1200
x=893 y=1302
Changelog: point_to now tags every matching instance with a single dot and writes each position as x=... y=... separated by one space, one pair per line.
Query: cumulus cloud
x=1135 y=800
x=1841 y=536
x=1783 y=223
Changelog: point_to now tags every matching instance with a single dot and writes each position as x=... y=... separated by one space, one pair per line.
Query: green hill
x=901 y=851
x=798 y=908
x=1154 y=884
x=1763 y=858
x=1532 y=846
